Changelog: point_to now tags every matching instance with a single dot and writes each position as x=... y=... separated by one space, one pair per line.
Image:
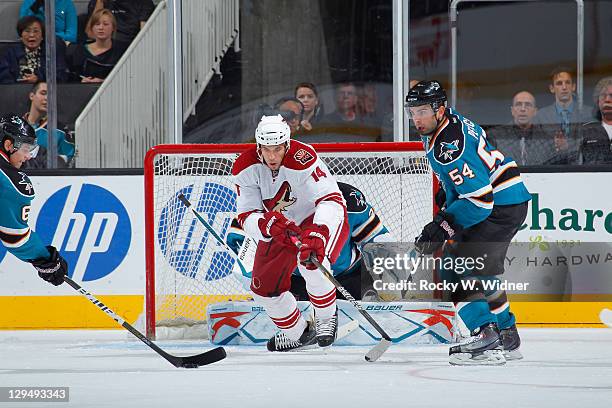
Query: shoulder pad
x=20 y=181
x=245 y=160
x=300 y=156
x=355 y=200
x=450 y=143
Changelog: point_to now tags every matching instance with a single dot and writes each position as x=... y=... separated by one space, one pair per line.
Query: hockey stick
x=208 y=357
x=378 y=350
x=210 y=229
x=372 y=355
x=606 y=317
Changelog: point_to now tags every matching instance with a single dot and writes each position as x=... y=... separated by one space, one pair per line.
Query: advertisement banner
x=97 y=224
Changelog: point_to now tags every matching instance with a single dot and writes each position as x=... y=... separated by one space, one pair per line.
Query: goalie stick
x=378 y=350
x=205 y=358
x=606 y=317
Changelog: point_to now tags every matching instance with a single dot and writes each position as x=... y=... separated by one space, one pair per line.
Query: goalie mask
x=20 y=133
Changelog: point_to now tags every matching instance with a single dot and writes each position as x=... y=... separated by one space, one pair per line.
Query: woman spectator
x=307 y=93
x=92 y=62
x=131 y=15
x=65 y=16
x=25 y=62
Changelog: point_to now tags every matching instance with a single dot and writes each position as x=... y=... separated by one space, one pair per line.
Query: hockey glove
x=274 y=225
x=434 y=234
x=52 y=269
x=314 y=241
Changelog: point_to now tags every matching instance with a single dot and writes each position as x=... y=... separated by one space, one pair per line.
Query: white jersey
x=302 y=186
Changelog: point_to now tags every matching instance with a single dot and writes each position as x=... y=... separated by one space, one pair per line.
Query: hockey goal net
x=186 y=268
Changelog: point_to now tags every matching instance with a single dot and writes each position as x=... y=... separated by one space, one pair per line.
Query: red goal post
x=186 y=270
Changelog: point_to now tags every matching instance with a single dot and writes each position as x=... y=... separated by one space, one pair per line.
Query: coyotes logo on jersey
x=281 y=200
x=302 y=156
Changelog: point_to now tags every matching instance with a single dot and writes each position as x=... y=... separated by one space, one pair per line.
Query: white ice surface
x=562 y=368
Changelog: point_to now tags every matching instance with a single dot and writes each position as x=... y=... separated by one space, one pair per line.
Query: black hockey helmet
x=426 y=93
x=17 y=130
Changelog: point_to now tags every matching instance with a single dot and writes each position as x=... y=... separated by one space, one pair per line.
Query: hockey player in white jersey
x=284 y=189
x=16 y=194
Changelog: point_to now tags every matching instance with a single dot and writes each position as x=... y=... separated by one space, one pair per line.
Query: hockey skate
x=327 y=330
x=280 y=341
x=483 y=348
x=511 y=342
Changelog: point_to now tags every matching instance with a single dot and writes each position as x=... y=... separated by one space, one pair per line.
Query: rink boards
x=97 y=222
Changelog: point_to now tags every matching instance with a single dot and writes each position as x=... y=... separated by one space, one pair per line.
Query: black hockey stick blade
x=205 y=358
x=208 y=357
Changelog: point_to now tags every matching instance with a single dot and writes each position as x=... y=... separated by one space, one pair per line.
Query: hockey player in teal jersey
x=364 y=226
x=16 y=194
x=485 y=205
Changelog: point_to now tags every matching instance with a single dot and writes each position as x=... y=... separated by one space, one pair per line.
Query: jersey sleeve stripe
x=501 y=170
x=508 y=174
x=14 y=240
x=508 y=183
x=242 y=217
x=371 y=227
x=335 y=197
x=483 y=201
x=477 y=193
x=14 y=231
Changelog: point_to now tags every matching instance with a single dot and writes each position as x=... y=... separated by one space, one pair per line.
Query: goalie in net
x=365 y=227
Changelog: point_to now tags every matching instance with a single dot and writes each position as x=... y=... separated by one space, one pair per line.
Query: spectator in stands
x=131 y=15
x=65 y=16
x=564 y=111
x=597 y=135
x=307 y=93
x=367 y=105
x=527 y=143
x=346 y=104
x=37 y=118
x=92 y=62
x=25 y=62
x=345 y=123
x=293 y=111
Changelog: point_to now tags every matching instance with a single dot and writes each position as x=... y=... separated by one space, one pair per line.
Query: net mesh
x=192 y=270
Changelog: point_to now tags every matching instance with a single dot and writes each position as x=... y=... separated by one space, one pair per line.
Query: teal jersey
x=64 y=147
x=16 y=194
x=364 y=227
x=474 y=174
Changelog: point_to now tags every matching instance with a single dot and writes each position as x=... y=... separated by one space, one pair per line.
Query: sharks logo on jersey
x=26 y=183
x=358 y=197
x=281 y=200
x=449 y=150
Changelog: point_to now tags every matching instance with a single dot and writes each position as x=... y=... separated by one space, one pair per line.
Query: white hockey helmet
x=272 y=130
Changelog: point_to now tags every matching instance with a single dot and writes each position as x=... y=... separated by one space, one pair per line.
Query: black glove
x=436 y=232
x=52 y=269
x=440 y=197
